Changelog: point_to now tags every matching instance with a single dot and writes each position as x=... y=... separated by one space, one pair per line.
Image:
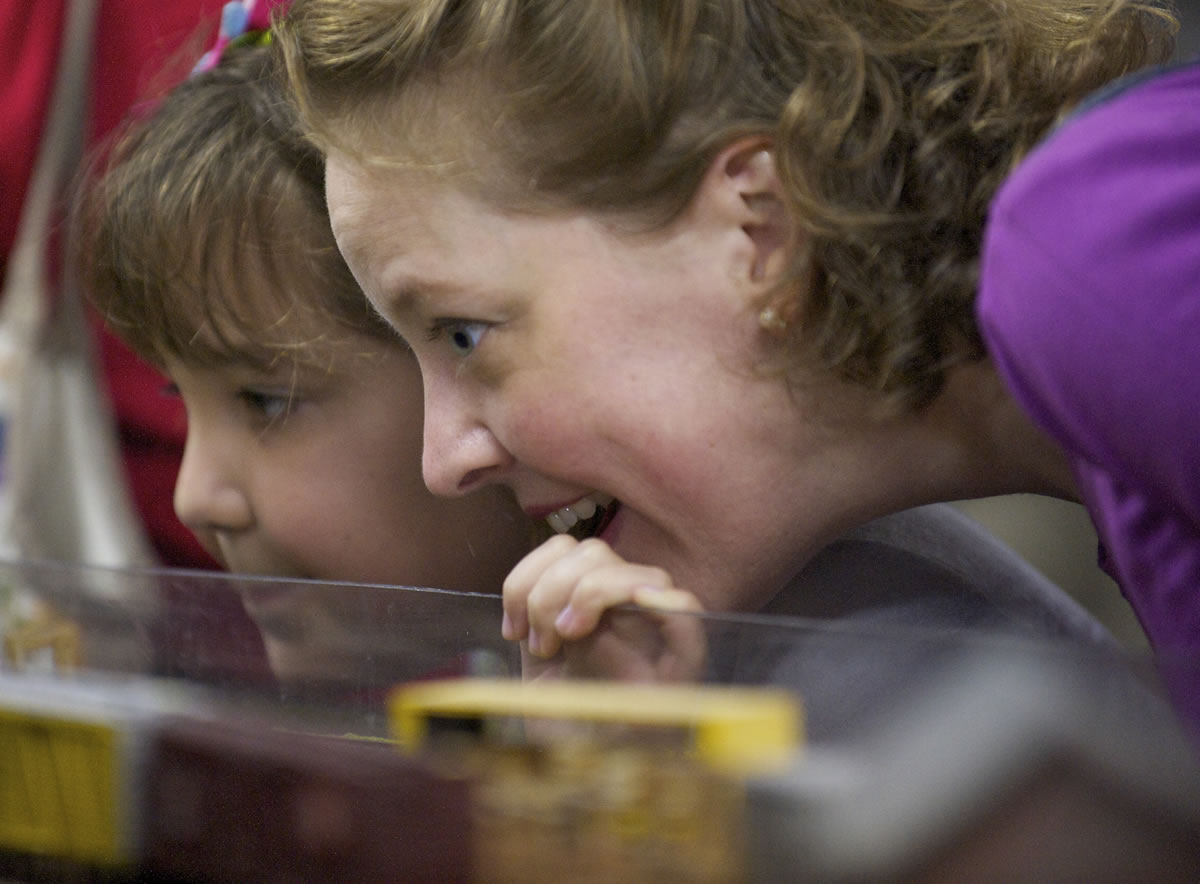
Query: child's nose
x=208 y=496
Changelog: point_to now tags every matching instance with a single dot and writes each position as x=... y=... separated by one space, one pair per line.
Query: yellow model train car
x=63 y=781
x=70 y=766
x=600 y=781
x=732 y=729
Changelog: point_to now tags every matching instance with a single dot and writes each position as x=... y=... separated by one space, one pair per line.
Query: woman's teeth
x=584 y=509
x=563 y=520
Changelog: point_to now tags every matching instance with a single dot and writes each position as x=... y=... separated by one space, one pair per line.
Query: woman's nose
x=459 y=453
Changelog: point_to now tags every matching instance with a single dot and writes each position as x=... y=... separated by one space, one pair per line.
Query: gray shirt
x=884 y=609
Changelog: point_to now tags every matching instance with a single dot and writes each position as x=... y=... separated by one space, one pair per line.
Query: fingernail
x=567 y=621
x=506 y=628
x=535 y=644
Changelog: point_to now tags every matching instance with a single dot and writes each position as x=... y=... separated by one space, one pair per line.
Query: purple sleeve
x=1090 y=287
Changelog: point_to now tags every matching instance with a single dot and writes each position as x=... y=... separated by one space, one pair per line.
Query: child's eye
x=269 y=407
x=462 y=335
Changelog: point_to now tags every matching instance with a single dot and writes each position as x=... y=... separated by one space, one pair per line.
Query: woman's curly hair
x=893 y=124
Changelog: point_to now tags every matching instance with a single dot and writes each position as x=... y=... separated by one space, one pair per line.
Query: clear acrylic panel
x=913 y=739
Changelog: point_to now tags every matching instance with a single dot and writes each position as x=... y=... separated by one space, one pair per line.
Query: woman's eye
x=462 y=335
x=269 y=407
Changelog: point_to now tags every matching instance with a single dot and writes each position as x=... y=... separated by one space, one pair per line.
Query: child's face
x=563 y=360
x=312 y=470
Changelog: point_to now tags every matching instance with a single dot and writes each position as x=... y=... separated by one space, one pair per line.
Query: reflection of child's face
x=322 y=633
x=313 y=470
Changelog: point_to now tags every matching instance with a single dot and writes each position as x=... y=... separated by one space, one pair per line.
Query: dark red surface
x=253 y=803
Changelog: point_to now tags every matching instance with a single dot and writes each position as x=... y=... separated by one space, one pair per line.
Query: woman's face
x=312 y=470
x=574 y=364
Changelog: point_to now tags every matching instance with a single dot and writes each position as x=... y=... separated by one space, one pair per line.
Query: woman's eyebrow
x=414 y=294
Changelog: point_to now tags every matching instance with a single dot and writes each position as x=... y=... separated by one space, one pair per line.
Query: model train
x=140 y=778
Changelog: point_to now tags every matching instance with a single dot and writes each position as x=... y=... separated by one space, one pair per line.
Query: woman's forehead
x=381 y=214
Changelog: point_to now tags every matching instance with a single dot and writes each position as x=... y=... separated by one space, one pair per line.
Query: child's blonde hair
x=893 y=123
x=204 y=233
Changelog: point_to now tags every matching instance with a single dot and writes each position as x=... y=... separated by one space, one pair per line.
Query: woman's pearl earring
x=771 y=320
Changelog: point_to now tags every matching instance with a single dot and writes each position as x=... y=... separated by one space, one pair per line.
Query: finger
x=684 y=640
x=633 y=644
x=534 y=668
x=666 y=598
x=523 y=578
x=626 y=646
x=604 y=588
x=558 y=584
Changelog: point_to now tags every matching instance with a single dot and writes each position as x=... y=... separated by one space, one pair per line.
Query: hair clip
x=242 y=21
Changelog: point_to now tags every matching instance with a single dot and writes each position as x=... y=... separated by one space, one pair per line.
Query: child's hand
x=558 y=600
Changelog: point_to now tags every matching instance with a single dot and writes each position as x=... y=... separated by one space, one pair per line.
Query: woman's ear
x=745 y=171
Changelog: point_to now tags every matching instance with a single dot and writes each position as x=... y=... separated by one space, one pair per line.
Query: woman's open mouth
x=585 y=518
